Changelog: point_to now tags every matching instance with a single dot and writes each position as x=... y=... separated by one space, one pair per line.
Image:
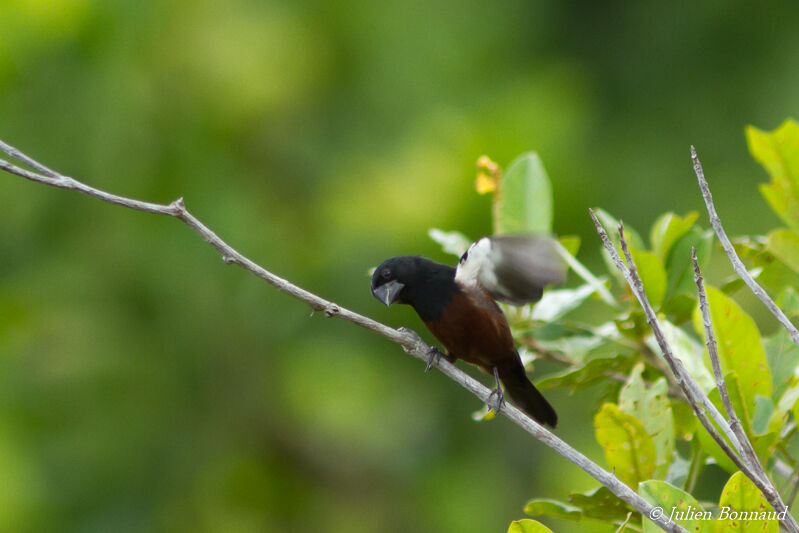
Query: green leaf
x=739 y=345
x=558 y=302
x=738 y=403
x=667 y=229
x=685 y=421
x=575 y=345
x=452 y=242
x=788 y=301
x=651 y=406
x=774 y=275
x=676 y=501
x=524 y=202
x=778 y=152
x=678 y=262
x=553 y=509
x=679 y=307
x=600 y=504
x=782 y=355
x=786 y=404
x=611 y=226
x=741 y=495
x=629 y=450
x=765 y=445
x=687 y=350
x=762 y=443
x=764 y=409
x=784 y=244
x=528 y=526
x=594 y=371
x=652 y=274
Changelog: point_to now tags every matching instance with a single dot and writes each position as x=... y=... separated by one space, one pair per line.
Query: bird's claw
x=433 y=357
x=497 y=407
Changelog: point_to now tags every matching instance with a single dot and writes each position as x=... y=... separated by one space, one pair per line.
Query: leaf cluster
x=648 y=433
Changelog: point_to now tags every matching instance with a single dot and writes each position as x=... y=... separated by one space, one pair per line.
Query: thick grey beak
x=388 y=292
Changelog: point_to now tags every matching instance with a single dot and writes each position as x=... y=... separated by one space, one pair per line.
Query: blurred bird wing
x=512 y=268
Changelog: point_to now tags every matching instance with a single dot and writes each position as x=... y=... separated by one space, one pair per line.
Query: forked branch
x=737 y=264
x=741 y=452
x=408 y=339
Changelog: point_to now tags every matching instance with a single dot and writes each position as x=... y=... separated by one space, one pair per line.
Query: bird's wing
x=512 y=268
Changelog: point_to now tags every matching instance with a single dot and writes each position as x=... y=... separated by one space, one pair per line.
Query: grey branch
x=760 y=478
x=747 y=461
x=691 y=391
x=712 y=348
x=768 y=488
x=737 y=264
x=408 y=339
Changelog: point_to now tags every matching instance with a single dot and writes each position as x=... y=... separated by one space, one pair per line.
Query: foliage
x=635 y=424
x=146 y=387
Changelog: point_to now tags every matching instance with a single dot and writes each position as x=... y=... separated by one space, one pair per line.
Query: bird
x=458 y=305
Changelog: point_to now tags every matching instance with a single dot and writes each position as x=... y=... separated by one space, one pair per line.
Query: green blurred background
x=145 y=386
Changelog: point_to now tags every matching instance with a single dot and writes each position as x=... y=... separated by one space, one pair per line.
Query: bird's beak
x=388 y=292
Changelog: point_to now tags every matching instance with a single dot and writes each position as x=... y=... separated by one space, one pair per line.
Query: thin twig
x=762 y=480
x=409 y=340
x=737 y=264
x=712 y=348
x=692 y=392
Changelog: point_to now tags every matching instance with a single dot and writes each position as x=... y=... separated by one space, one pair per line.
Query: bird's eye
x=386 y=273
x=464 y=256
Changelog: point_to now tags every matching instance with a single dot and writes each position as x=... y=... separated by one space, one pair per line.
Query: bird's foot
x=496 y=392
x=500 y=400
x=433 y=357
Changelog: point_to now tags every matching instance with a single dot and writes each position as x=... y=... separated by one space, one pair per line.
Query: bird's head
x=393 y=276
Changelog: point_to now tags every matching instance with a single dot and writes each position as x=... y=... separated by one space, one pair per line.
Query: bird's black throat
x=431 y=288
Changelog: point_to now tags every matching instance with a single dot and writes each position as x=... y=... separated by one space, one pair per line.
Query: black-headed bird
x=459 y=306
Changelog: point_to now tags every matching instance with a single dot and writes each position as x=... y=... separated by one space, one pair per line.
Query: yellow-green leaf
x=687 y=350
x=600 y=504
x=554 y=509
x=739 y=346
x=667 y=229
x=677 y=505
x=528 y=526
x=784 y=244
x=651 y=406
x=739 y=404
x=741 y=496
x=524 y=202
x=652 y=274
x=629 y=450
x=778 y=152
x=678 y=261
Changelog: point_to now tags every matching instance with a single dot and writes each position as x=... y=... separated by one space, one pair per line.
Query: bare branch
x=712 y=348
x=408 y=339
x=694 y=395
x=762 y=481
x=737 y=264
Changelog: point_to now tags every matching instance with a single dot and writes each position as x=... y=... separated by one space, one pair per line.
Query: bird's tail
x=523 y=394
